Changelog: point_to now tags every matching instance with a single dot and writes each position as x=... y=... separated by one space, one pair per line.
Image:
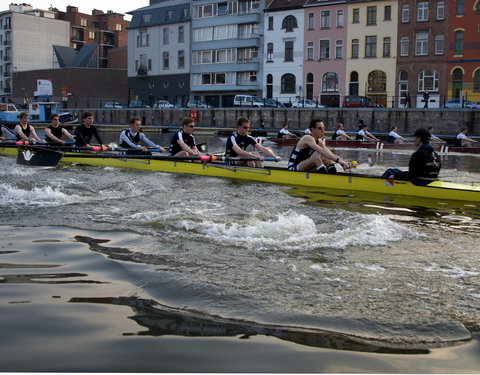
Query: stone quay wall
x=444 y=121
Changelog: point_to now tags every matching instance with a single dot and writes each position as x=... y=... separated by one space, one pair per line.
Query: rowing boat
x=342 y=181
x=441 y=148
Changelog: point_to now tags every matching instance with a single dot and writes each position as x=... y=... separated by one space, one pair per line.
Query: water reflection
x=161 y=320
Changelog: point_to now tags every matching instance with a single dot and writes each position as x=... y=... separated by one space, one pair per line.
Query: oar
x=203 y=158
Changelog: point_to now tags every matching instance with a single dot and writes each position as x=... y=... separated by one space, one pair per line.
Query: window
x=340 y=18
x=222 y=9
x=421 y=43
x=386 y=47
x=247 y=54
x=309 y=84
x=270 y=52
x=459 y=42
x=377 y=81
x=387 y=14
x=166 y=60
x=220 y=78
x=168 y=15
x=428 y=80
x=91 y=35
x=439 y=45
x=330 y=82
x=356 y=15
x=165 y=35
x=310 y=50
x=404 y=45
x=324 y=49
x=371 y=15
x=441 y=10
x=289 y=23
x=422 y=11
x=118 y=26
x=205 y=11
x=146 y=17
x=370 y=46
x=181 y=34
x=355 y=48
x=270 y=23
x=460 y=8
x=225 y=55
x=405 y=13
x=325 y=19
x=206 y=79
x=288 y=83
x=83 y=22
x=181 y=59
x=289 y=50
x=311 y=21
x=476 y=81
x=339 y=49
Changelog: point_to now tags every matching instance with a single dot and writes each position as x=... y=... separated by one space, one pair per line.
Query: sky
x=86 y=6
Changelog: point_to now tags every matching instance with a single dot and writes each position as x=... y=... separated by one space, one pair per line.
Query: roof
x=68 y=58
x=275 y=5
x=167 y=12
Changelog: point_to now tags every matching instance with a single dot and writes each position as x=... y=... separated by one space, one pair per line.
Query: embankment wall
x=444 y=121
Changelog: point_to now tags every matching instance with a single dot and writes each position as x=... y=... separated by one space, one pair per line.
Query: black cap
x=423 y=134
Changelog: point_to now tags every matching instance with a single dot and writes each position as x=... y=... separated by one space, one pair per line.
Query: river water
x=104 y=269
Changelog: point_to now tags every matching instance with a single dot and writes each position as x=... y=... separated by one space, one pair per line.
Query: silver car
x=456 y=103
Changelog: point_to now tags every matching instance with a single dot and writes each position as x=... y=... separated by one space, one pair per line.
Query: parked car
x=198 y=104
x=359 y=101
x=113 y=105
x=248 y=101
x=456 y=103
x=306 y=103
x=138 y=104
x=272 y=103
x=164 y=104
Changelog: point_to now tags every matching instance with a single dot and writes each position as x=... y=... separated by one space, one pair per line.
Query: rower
x=238 y=143
x=394 y=137
x=131 y=139
x=364 y=135
x=312 y=155
x=340 y=135
x=55 y=131
x=461 y=140
x=24 y=131
x=85 y=132
x=183 y=141
x=284 y=133
x=423 y=163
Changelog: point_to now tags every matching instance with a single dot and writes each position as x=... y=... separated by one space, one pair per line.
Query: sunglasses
x=191 y=126
x=246 y=127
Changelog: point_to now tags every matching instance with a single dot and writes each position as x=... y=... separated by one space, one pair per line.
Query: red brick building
x=108 y=30
x=464 y=50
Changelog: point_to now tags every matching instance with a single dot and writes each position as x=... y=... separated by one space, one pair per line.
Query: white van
x=247 y=101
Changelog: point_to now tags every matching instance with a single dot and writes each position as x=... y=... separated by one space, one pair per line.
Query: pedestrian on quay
x=183 y=141
x=86 y=131
x=24 y=131
x=133 y=138
x=393 y=137
x=238 y=143
x=426 y=98
x=55 y=132
x=340 y=135
x=424 y=162
x=311 y=154
x=461 y=140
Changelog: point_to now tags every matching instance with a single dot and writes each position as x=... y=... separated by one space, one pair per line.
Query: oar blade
x=38 y=157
